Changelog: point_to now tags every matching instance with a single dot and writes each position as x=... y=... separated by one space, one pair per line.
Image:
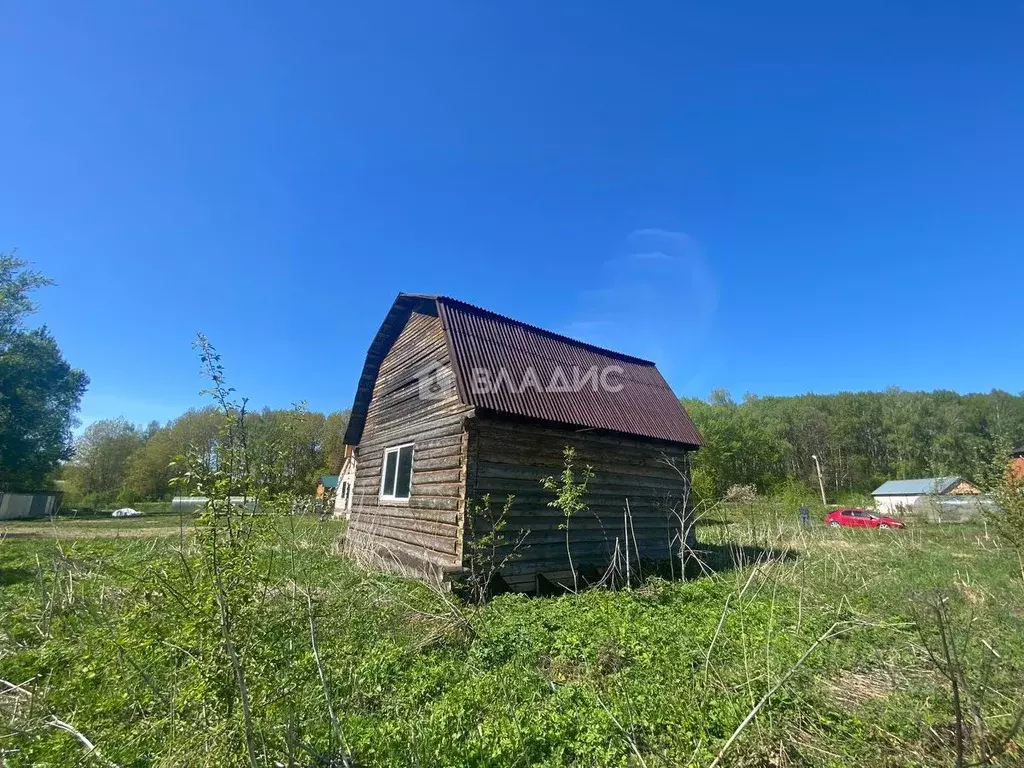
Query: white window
x=396 y=473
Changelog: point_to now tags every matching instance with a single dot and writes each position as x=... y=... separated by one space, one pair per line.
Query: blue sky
x=774 y=198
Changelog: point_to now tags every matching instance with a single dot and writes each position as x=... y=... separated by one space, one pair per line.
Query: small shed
x=898 y=496
x=324 y=484
x=457 y=404
x=25 y=506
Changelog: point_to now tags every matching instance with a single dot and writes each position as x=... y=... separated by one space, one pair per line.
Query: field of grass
x=346 y=667
x=97 y=526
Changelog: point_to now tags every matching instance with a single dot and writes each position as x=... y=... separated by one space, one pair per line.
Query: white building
x=15 y=506
x=898 y=496
x=343 y=498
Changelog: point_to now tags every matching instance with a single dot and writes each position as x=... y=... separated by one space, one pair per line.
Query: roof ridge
x=920 y=485
x=544 y=331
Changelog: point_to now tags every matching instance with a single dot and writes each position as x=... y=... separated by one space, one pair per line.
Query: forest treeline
x=860 y=438
x=116 y=462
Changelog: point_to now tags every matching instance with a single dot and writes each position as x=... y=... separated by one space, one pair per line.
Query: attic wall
x=510 y=457
x=425 y=530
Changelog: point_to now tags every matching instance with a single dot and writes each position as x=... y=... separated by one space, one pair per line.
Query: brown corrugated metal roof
x=509 y=353
x=485 y=341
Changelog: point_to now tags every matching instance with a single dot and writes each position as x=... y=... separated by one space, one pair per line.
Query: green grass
x=95 y=526
x=660 y=675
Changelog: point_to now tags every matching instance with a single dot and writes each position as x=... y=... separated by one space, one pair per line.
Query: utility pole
x=821 y=485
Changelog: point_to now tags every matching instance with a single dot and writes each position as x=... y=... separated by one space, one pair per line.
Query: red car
x=861 y=518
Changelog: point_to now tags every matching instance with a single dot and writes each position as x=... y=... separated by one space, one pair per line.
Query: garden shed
x=899 y=496
x=15 y=506
x=457 y=403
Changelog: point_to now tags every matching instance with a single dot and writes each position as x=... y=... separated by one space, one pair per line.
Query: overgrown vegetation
x=240 y=637
x=660 y=675
x=1008 y=519
x=570 y=498
x=117 y=463
x=971 y=666
x=489 y=546
x=861 y=438
x=764 y=443
x=39 y=390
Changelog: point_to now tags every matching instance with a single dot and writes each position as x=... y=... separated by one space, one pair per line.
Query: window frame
x=396 y=449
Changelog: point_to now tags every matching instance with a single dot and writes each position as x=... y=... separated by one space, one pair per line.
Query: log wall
x=513 y=457
x=425 y=531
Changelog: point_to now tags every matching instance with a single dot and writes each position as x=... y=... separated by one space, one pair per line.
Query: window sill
x=392 y=502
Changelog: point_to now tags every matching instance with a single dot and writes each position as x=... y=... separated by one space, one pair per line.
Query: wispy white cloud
x=652 y=256
x=656 y=299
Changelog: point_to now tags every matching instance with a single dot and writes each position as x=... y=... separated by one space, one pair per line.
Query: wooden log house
x=456 y=402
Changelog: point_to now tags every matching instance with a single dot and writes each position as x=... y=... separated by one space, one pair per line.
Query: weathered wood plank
x=452 y=461
x=387 y=524
x=428 y=525
x=426 y=477
x=439 y=489
x=440 y=452
x=513 y=457
x=443 y=544
x=414 y=513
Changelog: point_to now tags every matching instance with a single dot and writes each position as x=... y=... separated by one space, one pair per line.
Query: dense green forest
x=118 y=462
x=860 y=438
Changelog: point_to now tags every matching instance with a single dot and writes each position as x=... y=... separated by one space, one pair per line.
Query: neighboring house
x=15 y=506
x=456 y=403
x=897 y=496
x=1018 y=462
x=324 y=484
x=346 y=479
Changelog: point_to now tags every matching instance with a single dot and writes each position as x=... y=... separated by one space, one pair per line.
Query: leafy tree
x=149 y=469
x=16 y=285
x=570 y=497
x=39 y=391
x=334 y=441
x=861 y=438
x=311 y=443
x=305 y=444
x=102 y=456
x=739 y=447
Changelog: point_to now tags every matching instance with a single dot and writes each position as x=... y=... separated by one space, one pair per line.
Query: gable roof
x=927 y=485
x=643 y=406
x=1018 y=452
x=329 y=481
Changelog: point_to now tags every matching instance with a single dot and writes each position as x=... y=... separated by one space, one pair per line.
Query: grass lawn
x=96 y=526
x=99 y=633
